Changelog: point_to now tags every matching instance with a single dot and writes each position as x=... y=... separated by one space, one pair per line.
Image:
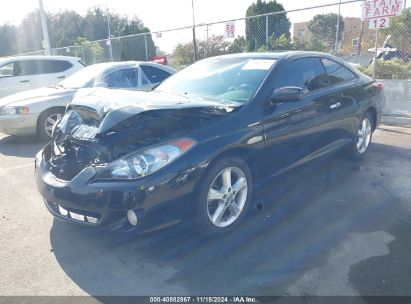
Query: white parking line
x=5 y=170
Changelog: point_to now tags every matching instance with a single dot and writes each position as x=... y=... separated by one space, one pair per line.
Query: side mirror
x=286 y=94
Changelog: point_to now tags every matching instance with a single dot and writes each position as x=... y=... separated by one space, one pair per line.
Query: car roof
x=287 y=55
x=157 y=65
x=276 y=55
x=119 y=64
x=38 y=57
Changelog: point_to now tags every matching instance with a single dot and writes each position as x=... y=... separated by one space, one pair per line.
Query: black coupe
x=204 y=141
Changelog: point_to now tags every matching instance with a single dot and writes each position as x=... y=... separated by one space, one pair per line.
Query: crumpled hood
x=105 y=109
x=103 y=125
x=30 y=96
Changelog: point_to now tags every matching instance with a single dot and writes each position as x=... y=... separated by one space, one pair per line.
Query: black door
x=340 y=111
x=293 y=130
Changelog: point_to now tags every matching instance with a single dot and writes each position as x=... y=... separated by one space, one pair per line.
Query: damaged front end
x=83 y=139
x=100 y=157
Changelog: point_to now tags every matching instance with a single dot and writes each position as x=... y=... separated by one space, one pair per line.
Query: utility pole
x=337 y=32
x=108 y=43
x=374 y=68
x=194 y=33
x=46 y=40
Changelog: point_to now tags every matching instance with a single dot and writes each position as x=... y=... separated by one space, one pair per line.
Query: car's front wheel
x=46 y=122
x=224 y=197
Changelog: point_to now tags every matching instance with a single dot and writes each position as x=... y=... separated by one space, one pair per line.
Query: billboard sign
x=372 y=9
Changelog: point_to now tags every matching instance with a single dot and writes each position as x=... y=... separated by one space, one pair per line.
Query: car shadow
x=306 y=215
x=20 y=146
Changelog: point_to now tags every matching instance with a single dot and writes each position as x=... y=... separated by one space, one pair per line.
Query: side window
x=144 y=79
x=54 y=66
x=29 y=67
x=124 y=78
x=336 y=72
x=154 y=75
x=305 y=73
x=7 y=70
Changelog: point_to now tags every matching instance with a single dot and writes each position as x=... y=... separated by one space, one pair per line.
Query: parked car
x=30 y=72
x=204 y=141
x=36 y=111
x=389 y=52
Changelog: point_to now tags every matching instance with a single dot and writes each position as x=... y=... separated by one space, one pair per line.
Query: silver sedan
x=36 y=111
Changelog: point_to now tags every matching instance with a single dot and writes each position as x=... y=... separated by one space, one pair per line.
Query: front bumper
x=18 y=124
x=157 y=199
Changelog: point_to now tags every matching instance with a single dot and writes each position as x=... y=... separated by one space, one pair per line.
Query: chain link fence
x=321 y=28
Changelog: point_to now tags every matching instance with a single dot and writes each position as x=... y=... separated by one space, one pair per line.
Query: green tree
x=91 y=52
x=281 y=43
x=131 y=48
x=183 y=54
x=238 y=45
x=299 y=45
x=65 y=27
x=324 y=28
x=389 y=69
x=30 y=33
x=134 y=48
x=8 y=38
x=255 y=30
x=317 y=45
x=400 y=31
x=214 y=46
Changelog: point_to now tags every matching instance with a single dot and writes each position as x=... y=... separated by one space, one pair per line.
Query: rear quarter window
x=154 y=75
x=336 y=72
x=55 y=66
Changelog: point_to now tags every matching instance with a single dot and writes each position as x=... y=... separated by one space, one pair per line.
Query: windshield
x=233 y=79
x=82 y=78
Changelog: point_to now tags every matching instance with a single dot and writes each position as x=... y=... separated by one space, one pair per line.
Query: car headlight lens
x=146 y=162
x=14 y=110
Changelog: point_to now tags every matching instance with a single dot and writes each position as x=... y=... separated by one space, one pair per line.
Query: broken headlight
x=146 y=162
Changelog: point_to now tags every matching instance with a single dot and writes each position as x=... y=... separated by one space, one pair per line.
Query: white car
x=30 y=72
x=36 y=111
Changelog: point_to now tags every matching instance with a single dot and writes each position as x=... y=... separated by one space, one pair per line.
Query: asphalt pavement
x=334 y=227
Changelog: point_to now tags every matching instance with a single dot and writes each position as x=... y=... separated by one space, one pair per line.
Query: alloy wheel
x=50 y=122
x=364 y=135
x=227 y=196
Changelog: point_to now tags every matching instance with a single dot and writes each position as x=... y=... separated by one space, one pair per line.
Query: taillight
x=379 y=85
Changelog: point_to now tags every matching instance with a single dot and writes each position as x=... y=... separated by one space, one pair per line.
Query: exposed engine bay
x=95 y=132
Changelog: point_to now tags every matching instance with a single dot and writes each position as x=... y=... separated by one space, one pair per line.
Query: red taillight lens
x=379 y=85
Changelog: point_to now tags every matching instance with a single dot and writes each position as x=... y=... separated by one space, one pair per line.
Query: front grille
x=66 y=164
x=74 y=215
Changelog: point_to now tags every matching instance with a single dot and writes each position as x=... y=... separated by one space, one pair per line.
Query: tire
x=216 y=217
x=362 y=139
x=46 y=121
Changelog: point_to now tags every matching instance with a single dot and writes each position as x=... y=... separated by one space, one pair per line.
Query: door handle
x=335 y=105
x=61 y=77
x=24 y=81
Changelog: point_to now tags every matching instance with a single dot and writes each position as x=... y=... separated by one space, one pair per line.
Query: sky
x=166 y=14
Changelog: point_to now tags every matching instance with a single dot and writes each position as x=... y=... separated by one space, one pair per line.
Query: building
x=351 y=34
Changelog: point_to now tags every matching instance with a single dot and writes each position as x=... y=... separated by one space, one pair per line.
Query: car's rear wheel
x=363 y=137
x=224 y=198
x=46 y=122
